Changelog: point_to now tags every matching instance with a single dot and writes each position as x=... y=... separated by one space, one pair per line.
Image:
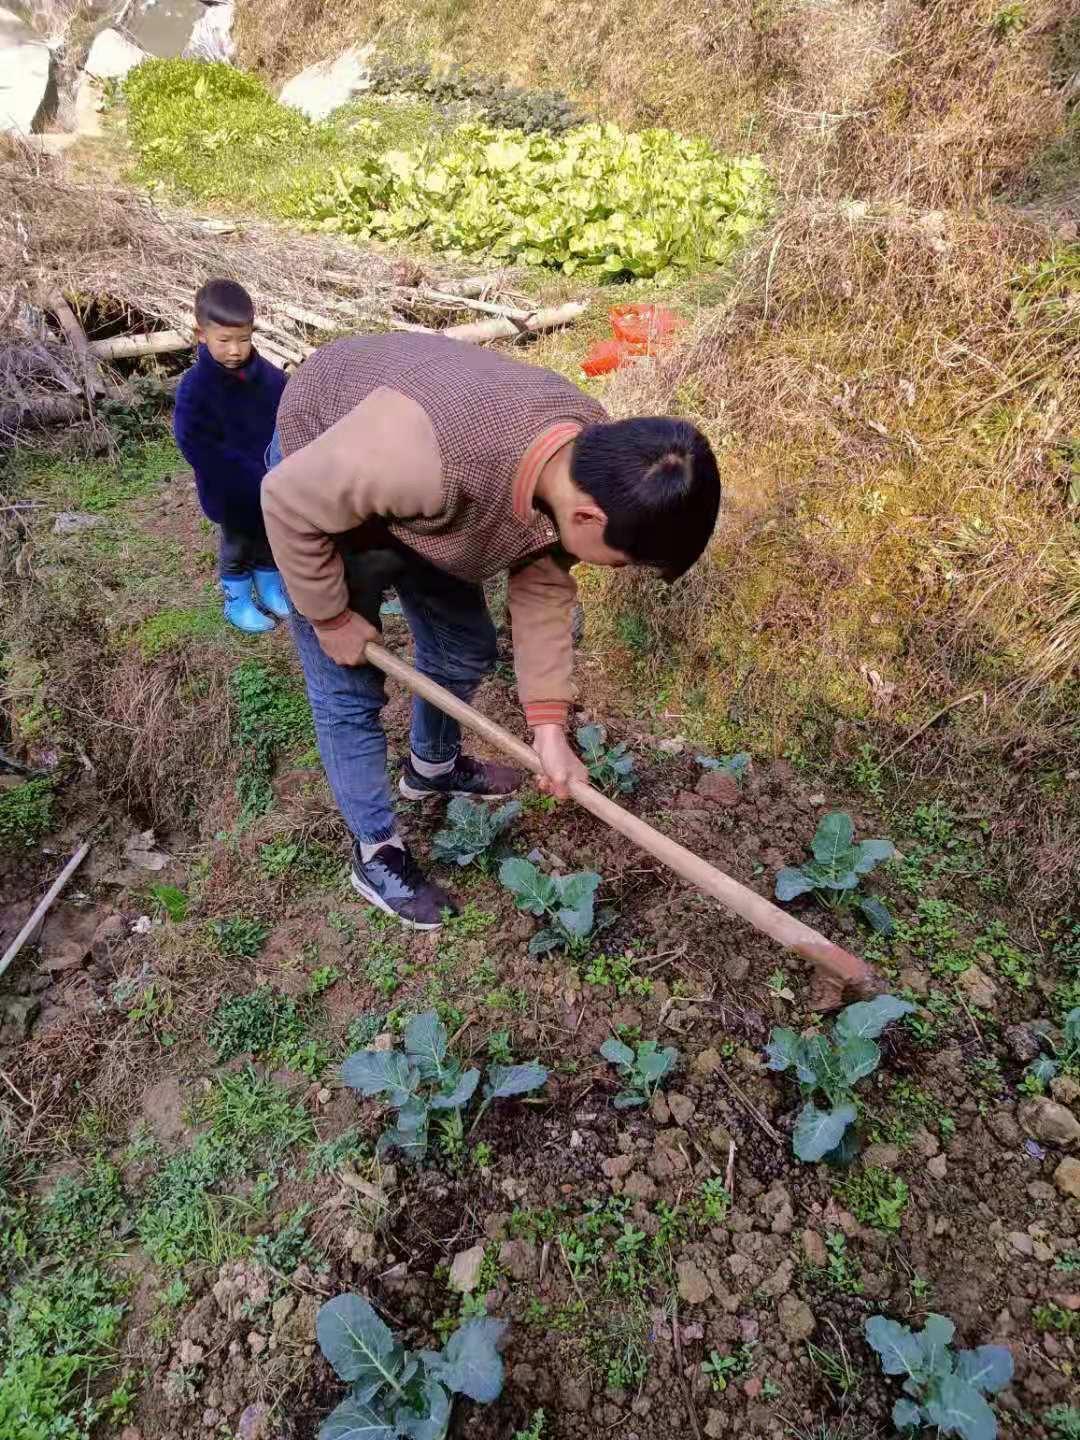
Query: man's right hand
x=346 y=643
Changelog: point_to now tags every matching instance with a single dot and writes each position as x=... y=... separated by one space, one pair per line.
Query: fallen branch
x=43 y=906
x=474 y=285
x=463 y=302
x=479 y=331
x=130 y=347
x=65 y=317
x=680 y=1371
x=751 y=1108
x=952 y=705
x=47 y=410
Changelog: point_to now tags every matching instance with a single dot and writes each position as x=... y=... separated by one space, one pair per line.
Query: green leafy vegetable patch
x=947 y=1388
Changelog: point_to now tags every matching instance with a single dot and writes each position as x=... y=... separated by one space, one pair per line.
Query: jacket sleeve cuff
x=335 y=622
x=547 y=712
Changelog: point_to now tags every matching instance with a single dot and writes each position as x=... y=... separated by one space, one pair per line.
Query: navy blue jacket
x=223 y=422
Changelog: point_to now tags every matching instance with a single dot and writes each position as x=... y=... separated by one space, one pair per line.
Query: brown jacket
x=444 y=443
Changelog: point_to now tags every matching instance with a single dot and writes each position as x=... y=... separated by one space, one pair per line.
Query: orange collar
x=548 y=443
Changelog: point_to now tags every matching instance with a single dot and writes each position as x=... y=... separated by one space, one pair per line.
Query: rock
x=190 y=1354
x=914 y=980
x=694 y=1289
x=925 y=1142
x=814 y=1249
x=937 y=1166
x=1022 y=1242
x=1065 y=1089
x=211 y=36
x=720 y=1140
x=383 y=1042
x=17 y=1014
x=518 y=1259
x=658 y=1108
x=775 y=1205
x=640 y=1187
x=321 y=88
x=26 y=72
x=1067 y=1177
x=675 y=746
x=465 y=1270
x=881 y=1157
x=779 y=1282
x=715 y=1424
x=980 y=989
x=707 y=1062
x=1023 y=1044
x=73 y=522
x=255 y=1423
x=256 y=1342
x=682 y=1108
x=1050 y=1122
x=112 y=55
x=718 y=788
x=1002 y=1125
x=616 y=1166
x=796 y=1319
x=1042 y=1193
x=575 y=1392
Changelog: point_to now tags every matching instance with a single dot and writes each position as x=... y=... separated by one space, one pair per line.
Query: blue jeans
x=455 y=645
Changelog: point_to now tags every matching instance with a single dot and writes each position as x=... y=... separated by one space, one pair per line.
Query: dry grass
x=886 y=425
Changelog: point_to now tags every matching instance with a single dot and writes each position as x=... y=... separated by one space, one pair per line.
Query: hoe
x=837 y=969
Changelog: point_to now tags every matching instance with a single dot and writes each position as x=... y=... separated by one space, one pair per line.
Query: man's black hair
x=656 y=480
x=223 y=302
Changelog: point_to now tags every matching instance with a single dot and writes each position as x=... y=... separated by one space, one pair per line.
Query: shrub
x=830 y=1068
x=947 y=1388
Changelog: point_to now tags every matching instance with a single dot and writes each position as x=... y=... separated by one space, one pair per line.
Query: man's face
x=582 y=535
x=229 y=345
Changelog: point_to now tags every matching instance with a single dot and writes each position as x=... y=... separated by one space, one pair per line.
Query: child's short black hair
x=656 y=480
x=223 y=302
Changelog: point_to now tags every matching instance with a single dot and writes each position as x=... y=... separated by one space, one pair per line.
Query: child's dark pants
x=240 y=552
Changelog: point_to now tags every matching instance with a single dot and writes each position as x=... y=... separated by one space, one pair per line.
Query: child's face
x=230 y=345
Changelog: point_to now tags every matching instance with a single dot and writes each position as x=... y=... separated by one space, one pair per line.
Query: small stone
x=1067 y=1177
x=1065 y=1089
x=720 y=1140
x=914 y=980
x=640 y=1187
x=1050 y=1122
x=576 y=1140
x=926 y=1143
x=682 y=1107
x=814 y=1249
x=256 y=1342
x=1023 y=1044
x=659 y=1108
x=796 y=1319
x=281 y=1310
x=694 y=1289
x=465 y=1270
x=383 y=1042
x=616 y=1166
x=323 y=1097
x=718 y=787
x=673 y=746
x=190 y=1354
x=779 y=1283
x=882 y=1157
x=518 y=1259
x=938 y=1166
x=752 y=1387
x=1022 y=1243
x=980 y=989
x=708 y=1062
x=715 y=1424
x=1002 y=1125
x=131 y=1432
x=254 y=1423
x=1042 y=1192
x=211 y=1419
x=73 y=522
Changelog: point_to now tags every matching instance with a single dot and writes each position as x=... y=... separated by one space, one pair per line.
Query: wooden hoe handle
x=785 y=929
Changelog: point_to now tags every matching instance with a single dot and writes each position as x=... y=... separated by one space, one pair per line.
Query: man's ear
x=589 y=514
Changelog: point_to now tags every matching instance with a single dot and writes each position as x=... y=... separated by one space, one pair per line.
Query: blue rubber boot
x=240 y=608
x=270 y=593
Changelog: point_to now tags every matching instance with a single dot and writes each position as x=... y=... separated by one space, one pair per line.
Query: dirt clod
x=694 y=1288
x=465 y=1270
x=796 y=1318
x=1050 y=1122
x=1067 y=1177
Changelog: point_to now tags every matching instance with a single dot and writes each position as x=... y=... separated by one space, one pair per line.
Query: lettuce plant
x=400 y=1392
x=641 y=1069
x=472 y=831
x=834 y=874
x=947 y=1387
x=423 y=1079
x=611 y=770
x=567 y=902
x=828 y=1068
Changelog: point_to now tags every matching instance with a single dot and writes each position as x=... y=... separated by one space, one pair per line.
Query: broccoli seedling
x=566 y=901
x=737 y=766
x=472 y=831
x=424 y=1078
x=1065 y=1057
x=947 y=1388
x=611 y=770
x=830 y=1068
x=834 y=874
x=400 y=1392
x=641 y=1069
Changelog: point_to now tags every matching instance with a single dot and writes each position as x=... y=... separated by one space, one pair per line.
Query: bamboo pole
x=828 y=958
x=43 y=906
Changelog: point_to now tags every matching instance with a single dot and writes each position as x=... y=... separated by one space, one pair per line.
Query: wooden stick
x=729 y=1173
x=48 y=410
x=44 y=905
x=76 y=338
x=680 y=1371
x=474 y=286
x=130 y=347
x=751 y=1108
x=480 y=330
x=464 y=302
x=952 y=705
x=785 y=929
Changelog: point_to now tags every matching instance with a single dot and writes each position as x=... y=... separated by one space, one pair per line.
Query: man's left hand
x=561 y=764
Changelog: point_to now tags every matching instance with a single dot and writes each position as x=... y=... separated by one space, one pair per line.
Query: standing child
x=226 y=408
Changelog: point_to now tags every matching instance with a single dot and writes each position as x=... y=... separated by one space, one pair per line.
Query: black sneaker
x=393 y=882
x=478 y=778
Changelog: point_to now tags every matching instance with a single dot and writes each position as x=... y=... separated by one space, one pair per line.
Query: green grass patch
x=26 y=814
x=173 y=628
x=270 y=714
x=270 y=1026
